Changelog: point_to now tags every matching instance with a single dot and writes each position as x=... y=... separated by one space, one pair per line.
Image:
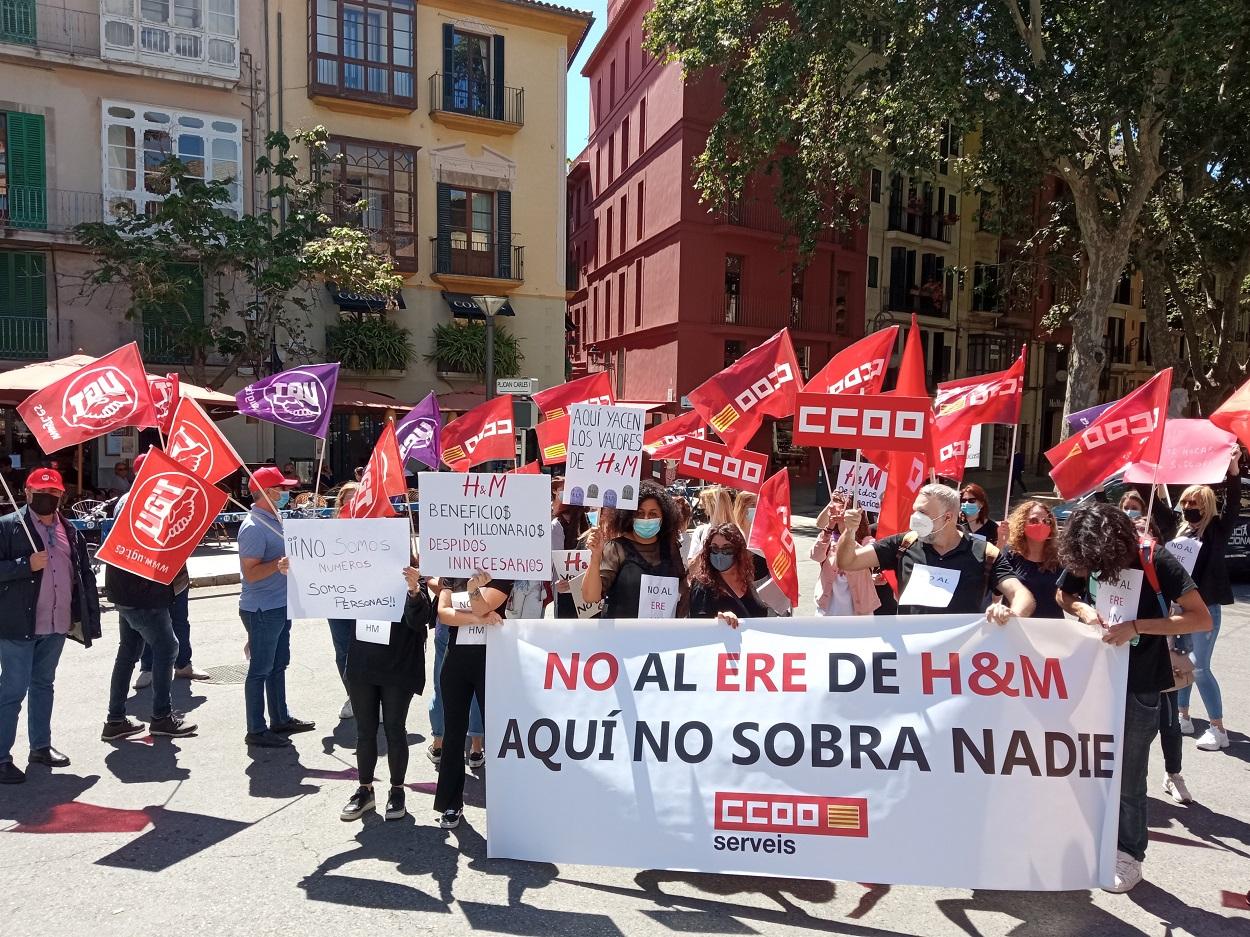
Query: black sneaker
x=11 y=774
x=362 y=801
x=293 y=725
x=434 y=754
x=395 y=809
x=450 y=819
x=475 y=760
x=173 y=725
x=267 y=739
x=123 y=728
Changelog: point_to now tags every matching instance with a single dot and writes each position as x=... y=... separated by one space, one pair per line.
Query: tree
x=258 y=272
x=816 y=92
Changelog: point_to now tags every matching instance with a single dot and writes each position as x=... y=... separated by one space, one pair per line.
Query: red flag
x=163 y=520
x=553 y=439
x=907 y=471
x=484 y=433
x=770 y=534
x=164 y=391
x=383 y=479
x=970 y=402
x=711 y=461
x=853 y=421
x=761 y=383
x=529 y=468
x=858 y=369
x=554 y=402
x=98 y=398
x=1234 y=414
x=195 y=442
x=1130 y=430
x=1194 y=452
x=658 y=441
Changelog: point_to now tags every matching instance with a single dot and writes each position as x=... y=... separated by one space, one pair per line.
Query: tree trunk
x=1164 y=350
x=1087 y=356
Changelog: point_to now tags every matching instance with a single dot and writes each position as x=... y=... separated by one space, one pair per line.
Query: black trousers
x=393 y=702
x=464 y=677
x=1170 y=738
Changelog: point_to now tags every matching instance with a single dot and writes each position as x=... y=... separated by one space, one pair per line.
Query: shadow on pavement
x=1178 y=916
x=277 y=773
x=1211 y=828
x=174 y=836
x=1041 y=914
x=146 y=762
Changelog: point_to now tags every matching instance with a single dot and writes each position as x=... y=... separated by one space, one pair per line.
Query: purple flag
x=300 y=398
x=420 y=432
x=1083 y=418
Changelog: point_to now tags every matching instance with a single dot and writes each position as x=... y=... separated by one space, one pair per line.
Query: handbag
x=1182 y=671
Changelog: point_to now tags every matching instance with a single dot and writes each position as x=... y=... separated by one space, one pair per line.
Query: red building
x=664 y=291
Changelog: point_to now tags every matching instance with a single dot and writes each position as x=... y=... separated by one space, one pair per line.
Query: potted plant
x=460 y=349
x=369 y=344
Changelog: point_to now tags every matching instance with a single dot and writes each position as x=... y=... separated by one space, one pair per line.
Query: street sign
x=522 y=386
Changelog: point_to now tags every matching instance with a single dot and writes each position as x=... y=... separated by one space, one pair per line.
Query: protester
x=262 y=606
x=382 y=680
x=685 y=536
x=48 y=588
x=717 y=507
x=326 y=476
x=1032 y=552
x=1134 y=505
x=936 y=541
x=721 y=584
x=463 y=679
x=1098 y=543
x=343 y=630
x=476 y=730
x=122 y=477
x=568 y=527
x=974 y=513
x=838 y=592
x=1017 y=473
x=630 y=545
x=1211 y=527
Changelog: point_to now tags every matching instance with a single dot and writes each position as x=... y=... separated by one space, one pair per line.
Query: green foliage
x=462 y=348
x=369 y=343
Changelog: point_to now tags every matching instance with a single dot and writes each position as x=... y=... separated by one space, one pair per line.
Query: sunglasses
x=722 y=551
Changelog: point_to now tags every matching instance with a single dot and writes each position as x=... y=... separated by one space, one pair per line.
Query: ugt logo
x=299 y=397
x=99 y=398
x=165 y=512
x=188 y=446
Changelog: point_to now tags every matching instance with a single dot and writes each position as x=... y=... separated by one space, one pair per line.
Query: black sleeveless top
x=622 y=599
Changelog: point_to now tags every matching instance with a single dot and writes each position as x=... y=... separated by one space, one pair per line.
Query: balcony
x=921 y=220
x=32 y=212
x=23 y=337
x=390 y=232
x=159 y=347
x=762 y=216
x=757 y=312
x=477 y=268
x=457 y=103
x=49 y=28
x=918 y=299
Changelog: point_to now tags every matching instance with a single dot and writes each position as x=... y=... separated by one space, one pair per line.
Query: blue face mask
x=1133 y=514
x=721 y=562
x=646 y=529
x=593 y=518
x=969 y=509
x=282 y=500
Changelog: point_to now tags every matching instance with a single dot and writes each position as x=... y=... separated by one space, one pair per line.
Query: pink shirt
x=56 y=590
x=864 y=598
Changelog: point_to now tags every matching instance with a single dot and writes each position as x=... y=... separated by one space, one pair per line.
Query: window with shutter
x=27 y=178
x=23 y=305
x=17 y=22
x=471 y=81
x=166 y=328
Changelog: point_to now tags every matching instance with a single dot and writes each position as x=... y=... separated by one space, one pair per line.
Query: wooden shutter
x=449 y=65
x=496 y=75
x=443 y=212
x=503 y=210
x=23 y=305
x=28 y=196
x=17 y=22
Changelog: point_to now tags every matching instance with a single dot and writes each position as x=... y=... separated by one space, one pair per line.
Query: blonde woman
x=717 y=504
x=1204 y=522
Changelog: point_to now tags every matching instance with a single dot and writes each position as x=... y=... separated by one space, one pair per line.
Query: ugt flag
x=483 y=434
x=419 y=433
x=761 y=383
x=383 y=479
x=1131 y=430
x=299 y=398
x=163 y=520
x=770 y=534
x=195 y=442
x=164 y=392
x=859 y=368
x=554 y=402
x=107 y=394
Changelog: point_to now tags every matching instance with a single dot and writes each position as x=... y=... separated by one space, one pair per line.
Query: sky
x=579 y=87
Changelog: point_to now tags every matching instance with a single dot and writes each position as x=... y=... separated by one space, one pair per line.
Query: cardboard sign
x=346 y=568
x=1116 y=599
x=568 y=564
x=604 y=462
x=499 y=524
x=584 y=609
x=658 y=596
x=863 y=421
x=930 y=586
x=467 y=634
x=1185 y=549
x=867 y=480
x=373 y=632
x=1194 y=452
x=713 y=462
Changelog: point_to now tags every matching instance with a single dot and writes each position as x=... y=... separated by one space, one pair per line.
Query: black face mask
x=44 y=503
x=1193 y=515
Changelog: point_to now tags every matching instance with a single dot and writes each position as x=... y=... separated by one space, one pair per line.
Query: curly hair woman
x=721 y=584
x=1098 y=545
x=1032 y=552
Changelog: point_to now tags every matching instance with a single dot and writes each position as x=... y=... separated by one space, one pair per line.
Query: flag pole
x=825 y=465
x=1011 y=467
x=317 y=481
x=12 y=500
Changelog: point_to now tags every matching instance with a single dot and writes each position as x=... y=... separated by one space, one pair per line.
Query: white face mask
x=922 y=526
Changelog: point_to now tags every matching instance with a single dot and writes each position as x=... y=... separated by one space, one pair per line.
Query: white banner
x=500 y=524
x=604 y=463
x=871 y=483
x=927 y=750
x=347 y=568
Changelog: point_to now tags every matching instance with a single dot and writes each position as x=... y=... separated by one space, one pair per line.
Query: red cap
x=45 y=479
x=270 y=476
x=138 y=462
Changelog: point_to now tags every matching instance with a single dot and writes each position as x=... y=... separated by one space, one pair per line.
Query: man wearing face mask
x=262 y=606
x=935 y=543
x=48 y=594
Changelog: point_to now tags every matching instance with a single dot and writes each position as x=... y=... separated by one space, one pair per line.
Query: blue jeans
x=269 y=635
x=476 y=730
x=180 y=613
x=1141 y=722
x=342 y=630
x=27 y=669
x=1203 y=645
x=137 y=626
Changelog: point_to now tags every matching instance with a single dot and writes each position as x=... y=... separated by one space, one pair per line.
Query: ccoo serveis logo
x=781 y=816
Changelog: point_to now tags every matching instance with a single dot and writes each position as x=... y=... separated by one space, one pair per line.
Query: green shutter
x=497 y=76
x=503 y=207
x=17 y=21
x=28 y=195
x=443 y=253
x=23 y=305
x=165 y=328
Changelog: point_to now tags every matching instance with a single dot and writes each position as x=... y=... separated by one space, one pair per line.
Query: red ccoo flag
x=770 y=534
x=859 y=368
x=529 y=468
x=660 y=441
x=554 y=402
x=907 y=471
x=761 y=383
x=969 y=402
x=553 y=439
x=195 y=442
x=383 y=479
x=1234 y=414
x=481 y=435
x=107 y=394
x=1130 y=430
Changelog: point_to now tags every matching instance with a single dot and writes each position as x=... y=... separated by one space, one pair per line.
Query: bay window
x=363 y=49
x=196 y=36
x=383 y=175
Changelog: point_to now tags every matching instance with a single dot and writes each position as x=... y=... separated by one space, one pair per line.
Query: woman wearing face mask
x=974 y=513
x=1211 y=528
x=838 y=592
x=717 y=506
x=1032 y=553
x=633 y=544
x=1162 y=524
x=744 y=517
x=720 y=579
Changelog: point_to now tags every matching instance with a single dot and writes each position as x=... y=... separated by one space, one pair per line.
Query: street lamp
x=491 y=306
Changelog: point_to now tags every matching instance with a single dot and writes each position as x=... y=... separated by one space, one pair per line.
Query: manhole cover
x=230 y=673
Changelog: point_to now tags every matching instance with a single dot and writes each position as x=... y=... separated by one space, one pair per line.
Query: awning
x=362 y=302
x=463 y=306
x=19 y=383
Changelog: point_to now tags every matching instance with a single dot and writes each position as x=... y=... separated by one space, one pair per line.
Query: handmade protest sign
x=373 y=632
x=604 y=461
x=1185 y=549
x=1194 y=452
x=877 y=751
x=863 y=421
x=568 y=564
x=584 y=609
x=499 y=524
x=347 y=568
x=658 y=596
x=1115 y=600
x=866 y=480
x=930 y=587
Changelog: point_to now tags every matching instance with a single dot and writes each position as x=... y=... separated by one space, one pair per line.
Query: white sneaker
x=1175 y=788
x=1213 y=739
x=144 y=681
x=346 y=711
x=1127 y=874
x=1187 y=725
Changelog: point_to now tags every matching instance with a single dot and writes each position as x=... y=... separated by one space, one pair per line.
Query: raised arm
x=851 y=556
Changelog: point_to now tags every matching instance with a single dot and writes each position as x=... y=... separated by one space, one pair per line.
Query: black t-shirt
x=1041 y=582
x=1149 y=664
x=707 y=603
x=970 y=590
x=462 y=585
